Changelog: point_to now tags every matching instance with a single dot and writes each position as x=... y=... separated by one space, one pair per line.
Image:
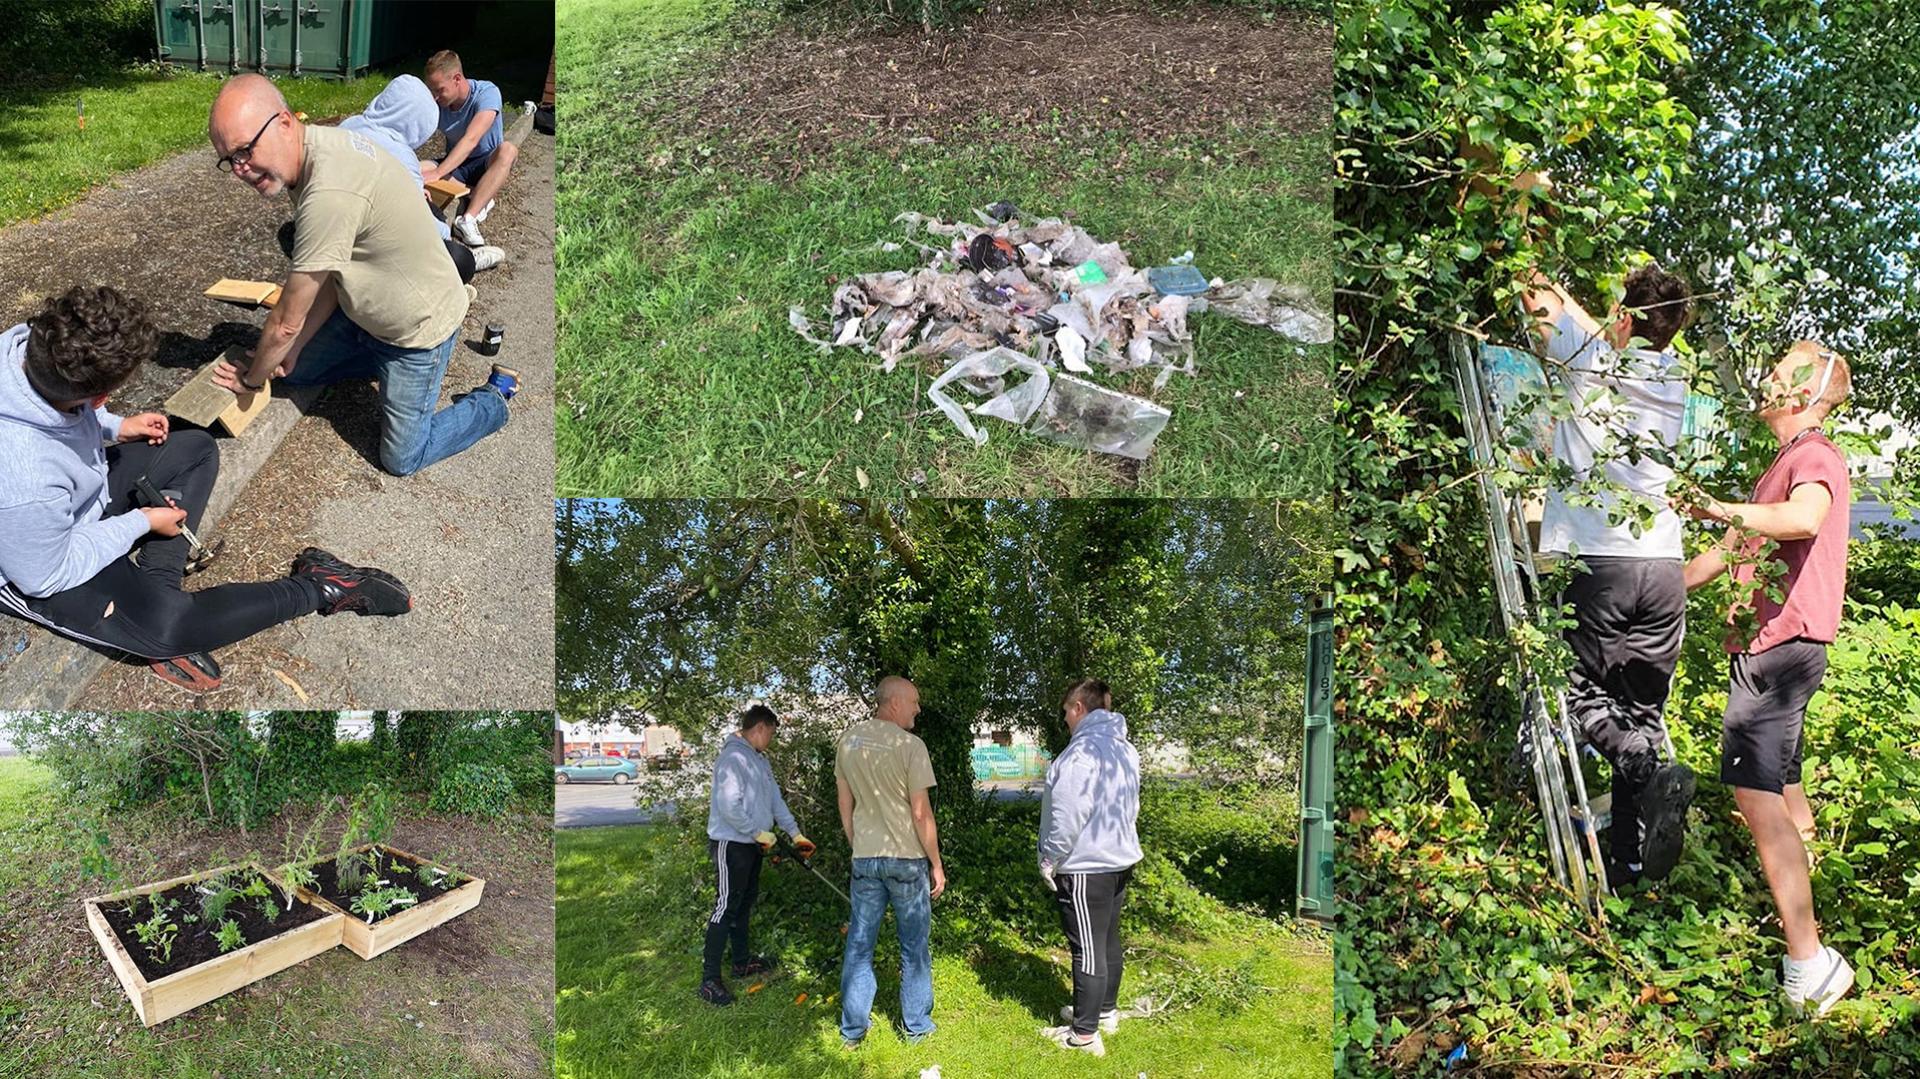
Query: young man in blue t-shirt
x=477 y=153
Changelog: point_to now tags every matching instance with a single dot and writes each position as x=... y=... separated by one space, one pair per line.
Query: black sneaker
x=756 y=964
x=352 y=588
x=713 y=991
x=1620 y=875
x=1663 y=809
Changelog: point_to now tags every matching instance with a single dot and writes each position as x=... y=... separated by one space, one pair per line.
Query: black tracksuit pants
x=141 y=608
x=1090 y=913
x=736 y=867
x=1631 y=615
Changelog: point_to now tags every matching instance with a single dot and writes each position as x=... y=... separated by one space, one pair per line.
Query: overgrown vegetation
x=1454 y=933
x=232 y=768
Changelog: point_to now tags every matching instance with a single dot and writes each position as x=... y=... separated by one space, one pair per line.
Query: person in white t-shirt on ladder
x=1629 y=601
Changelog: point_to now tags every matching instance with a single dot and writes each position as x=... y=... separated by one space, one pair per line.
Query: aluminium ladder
x=1546 y=736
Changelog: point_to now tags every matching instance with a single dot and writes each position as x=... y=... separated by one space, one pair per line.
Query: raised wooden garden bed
x=435 y=906
x=195 y=971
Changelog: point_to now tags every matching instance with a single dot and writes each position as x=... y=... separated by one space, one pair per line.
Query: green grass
x=680 y=375
x=62 y=1013
x=135 y=116
x=630 y=911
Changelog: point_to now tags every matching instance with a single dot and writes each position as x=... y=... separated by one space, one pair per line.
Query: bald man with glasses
x=371 y=293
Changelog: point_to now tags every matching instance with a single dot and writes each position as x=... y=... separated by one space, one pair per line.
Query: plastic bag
x=1014 y=405
x=1080 y=414
x=1262 y=301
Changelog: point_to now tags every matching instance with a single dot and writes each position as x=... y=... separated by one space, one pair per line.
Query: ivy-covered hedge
x=1454 y=937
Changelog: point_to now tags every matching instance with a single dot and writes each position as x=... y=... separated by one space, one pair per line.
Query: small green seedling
x=156 y=934
x=379 y=902
x=228 y=936
x=269 y=910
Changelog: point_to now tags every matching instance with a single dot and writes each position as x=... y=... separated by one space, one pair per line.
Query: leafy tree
x=1832 y=204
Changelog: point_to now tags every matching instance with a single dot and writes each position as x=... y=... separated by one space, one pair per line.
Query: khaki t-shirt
x=357 y=213
x=883 y=764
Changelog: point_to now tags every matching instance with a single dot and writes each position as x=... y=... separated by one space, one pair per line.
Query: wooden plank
x=233 y=290
x=367 y=941
x=124 y=968
x=207 y=404
x=158 y=1001
x=443 y=191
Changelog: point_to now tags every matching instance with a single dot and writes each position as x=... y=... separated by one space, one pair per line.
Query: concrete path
x=471 y=536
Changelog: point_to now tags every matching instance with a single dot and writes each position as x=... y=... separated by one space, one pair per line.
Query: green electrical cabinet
x=335 y=38
x=1316 y=771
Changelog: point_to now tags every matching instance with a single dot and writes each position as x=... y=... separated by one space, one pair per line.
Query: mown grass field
x=1253 y=1000
x=682 y=245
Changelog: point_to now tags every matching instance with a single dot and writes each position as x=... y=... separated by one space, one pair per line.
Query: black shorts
x=1762 y=737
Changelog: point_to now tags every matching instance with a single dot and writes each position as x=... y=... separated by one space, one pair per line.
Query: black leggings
x=462 y=257
x=736 y=868
x=141 y=608
x=1090 y=913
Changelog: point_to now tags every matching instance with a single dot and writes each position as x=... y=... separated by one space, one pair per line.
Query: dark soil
x=797 y=96
x=194 y=944
x=329 y=886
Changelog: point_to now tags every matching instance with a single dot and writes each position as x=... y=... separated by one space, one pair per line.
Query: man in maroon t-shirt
x=1801 y=505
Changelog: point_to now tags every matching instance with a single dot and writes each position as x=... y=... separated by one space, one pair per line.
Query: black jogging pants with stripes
x=1090 y=913
x=736 y=867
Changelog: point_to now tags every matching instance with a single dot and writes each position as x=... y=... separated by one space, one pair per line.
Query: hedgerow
x=1454 y=936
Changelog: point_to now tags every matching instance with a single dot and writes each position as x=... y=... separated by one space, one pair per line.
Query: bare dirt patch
x=799 y=95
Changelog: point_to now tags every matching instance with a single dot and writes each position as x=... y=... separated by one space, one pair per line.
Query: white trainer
x=1064 y=1038
x=1816 y=984
x=486 y=257
x=1109 y=1021
x=466 y=229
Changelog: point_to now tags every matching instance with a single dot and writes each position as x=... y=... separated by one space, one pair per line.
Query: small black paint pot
x=490 y=342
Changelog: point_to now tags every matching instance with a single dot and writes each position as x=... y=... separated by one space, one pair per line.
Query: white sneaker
x=1816 y=984
x=1063 y=1037
x=1109 y=1021
x=484 y=211
x=486 y=257
x=466 y=229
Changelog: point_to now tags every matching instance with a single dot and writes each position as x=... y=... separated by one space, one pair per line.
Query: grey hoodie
x=400 y=119
x=53 y=486
x=746 y=800
x=1092 y=800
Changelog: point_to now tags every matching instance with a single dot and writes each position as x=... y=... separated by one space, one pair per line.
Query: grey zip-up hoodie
x=400 y=119
x=53 y=486
x=1092 y=800
x=746 y=800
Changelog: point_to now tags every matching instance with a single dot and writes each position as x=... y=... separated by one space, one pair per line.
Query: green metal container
x=329 y=38
x=1316 y=771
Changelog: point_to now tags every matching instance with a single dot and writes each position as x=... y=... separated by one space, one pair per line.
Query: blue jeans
x=903 y=882
x=412 y=434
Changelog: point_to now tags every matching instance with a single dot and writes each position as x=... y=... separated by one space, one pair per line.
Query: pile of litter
x=1004 y=298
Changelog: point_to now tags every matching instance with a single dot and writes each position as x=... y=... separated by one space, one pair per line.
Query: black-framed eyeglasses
x=243 y=153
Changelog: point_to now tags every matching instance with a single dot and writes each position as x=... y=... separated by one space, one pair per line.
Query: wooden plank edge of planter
x=183 y=990
x=368 y=941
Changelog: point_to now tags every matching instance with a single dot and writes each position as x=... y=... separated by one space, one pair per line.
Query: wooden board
x=207 y=404
x=367 y=941
x=258 y=293
x=443 y=191
x=156 y=1002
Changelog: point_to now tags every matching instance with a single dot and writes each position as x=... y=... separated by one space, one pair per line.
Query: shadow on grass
x=1021 y=977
